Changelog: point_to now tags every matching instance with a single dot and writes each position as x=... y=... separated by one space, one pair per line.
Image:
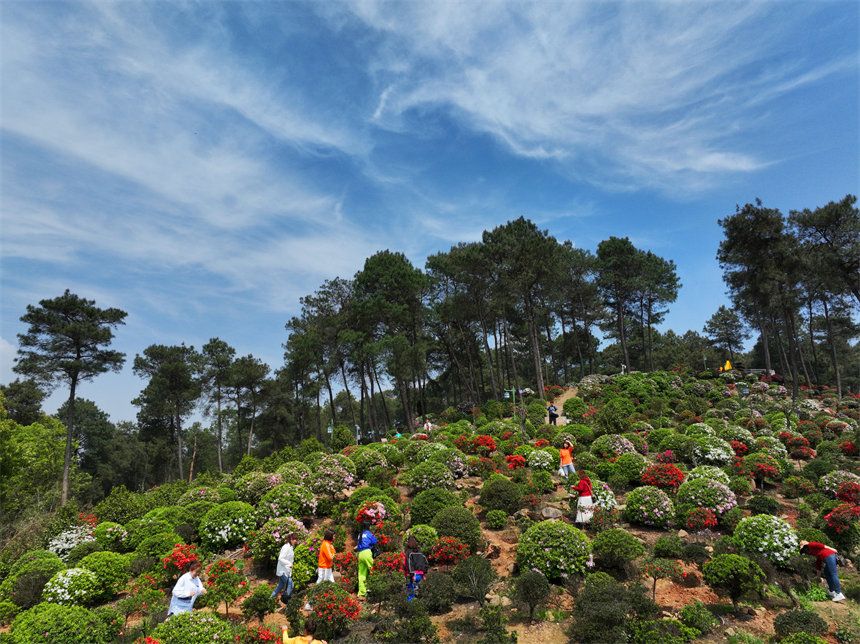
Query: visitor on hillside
x=284 y=570
x=307 y=638
x=585 y=505
x=825 y=557
x=415 y=565
x=552 y=411
x=186 y=590
x=365 y=543
x=325 y=561
x=566 y=454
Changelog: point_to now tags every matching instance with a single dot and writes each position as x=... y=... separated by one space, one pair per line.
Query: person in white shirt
x=186 y=590
x=284 y=570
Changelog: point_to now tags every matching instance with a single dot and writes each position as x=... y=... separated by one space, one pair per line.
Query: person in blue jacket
x=366 y=541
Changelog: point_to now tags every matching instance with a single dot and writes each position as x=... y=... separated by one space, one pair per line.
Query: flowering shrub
x=735 y=434
x=758 y=465
x=667 y=456
x=611 y=446
x=265 y=543
x=177 y=561
x=803 y=453
x=63 y=543
x=483 y=444
x=251 y=487
x=49 y=623
x=712 y=450
x=333 y=473
x=286 y=500
x=797 y=486
x=649 y=505
x=848 y=448
x=71 y=587
x=225 y=583
x=541 y=442
x=664 y=476
x=515 y=462
x=448 y=551
x=110 y=535
x=707 y=493
x=388 y=561
x=255 y=634
x=226 y=525
x=708 y=472
x=830 y=483
x=193 y=628
x=210 y=494
x=700 y=518
x=305 y=561
x=661 y=569
x=699 y=430
x=772 y=446
x=842 y=518
x=428 y=475
x=739 y=448
x=769 y=535
x=541 y=460
x=373 y=511
x=295 y=472
x=425 y=535
x=366 y=459
x=419 y=436
x=426 y=451
x=334 y=612
x=482 y=466
x=453 y=459
x=849 y=491
x=553 y=548
x=602 y=495
x=346 y=563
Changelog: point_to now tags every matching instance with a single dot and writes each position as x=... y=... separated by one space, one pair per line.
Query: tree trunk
x=330 y=398
x=832 y=344
x=565 y=367
x=375 y=374
x=178 y=424
x=622 y=334
x=193 y=457
x=70 y=429
x=812 y=350
x=535 y=351
x=489 y=354
x=220 y=430
x=348 y=395
x=765 y=342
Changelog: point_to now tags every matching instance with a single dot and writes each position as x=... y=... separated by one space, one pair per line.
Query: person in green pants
x=366 y=542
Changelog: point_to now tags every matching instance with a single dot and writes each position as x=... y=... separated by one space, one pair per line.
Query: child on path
x=825 y=556
x=585 y=505
x=365 y=542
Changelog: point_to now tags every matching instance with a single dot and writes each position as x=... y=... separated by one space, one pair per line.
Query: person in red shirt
x=827 y=556
x=585 y=505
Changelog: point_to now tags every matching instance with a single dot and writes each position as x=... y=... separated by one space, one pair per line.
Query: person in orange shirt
x=566 y=454
x=325 y=561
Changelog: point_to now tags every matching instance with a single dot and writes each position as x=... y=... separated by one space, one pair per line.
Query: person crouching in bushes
x=825 y=557
x=186 y=590
x=307 y=638
x=365 y=543
x=284 y=570
x=325 y=561
x=566 y=455
x=585 y=504
x=415 y=566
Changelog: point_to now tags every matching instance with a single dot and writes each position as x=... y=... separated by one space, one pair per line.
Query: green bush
x=604 y=610
x=473 y=576
x=56 y=624
x=630 y=466
x=556 y=549
x=425 y=535
x=734 y=574
x=428 y=503
x=615 y=547
x=803 y=638
x=574 y=408
x=227 y=525
x=740 y=485
x=40 y=565
x=80 y=551
x=458 y=521
x=762 y=504
x=496 y=519
x=798 y=621
x=8 y=612
x=287 y=500
x=158 y=545
x=193 y=628
x=75 y=586
x=697 y=616
x=111 y=568
x=661 y=631
x=259 y=603
x=120 y=506
x=614 y=416
x=695 y=553
x=172 y=515
x=500 y=493
x=429 y=475
x=137 y=532
x=668 y=546
x=532 y=588
x=341 y=437
x=437 y=591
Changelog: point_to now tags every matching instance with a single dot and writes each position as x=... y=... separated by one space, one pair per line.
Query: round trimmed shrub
x=428 y=503
x=111 y=569
x=157 y=545
x=458 y=522
x=532 y=588
x=75 y=586
x=251 y=487
x=438 y=592
x=829 y=483
x=798 y=621
x=761 y=504
x=697 y=616
x=287 y=500
x=649 y=505
x=699 y=430
x=602 y=495
x=453 y=459
x=496 y=519
x=425 y=535
x=630 y=466
x=265 y=543
x=712 y=451
x=500 y=493
x=615 y=547
x=295 y=472
x=109 y=535
x=429 y=475
x=542 y=461
x=367 y=459
x=734 y=574
x=193 y=628
x=772 y=446
x=211 y=494
x=58 y=624
x=771 y=536
x=555 y=549
x=226 y=525
x=43 y=563
x=708 y=472
x=706 y=493
x=172 y=516
x=668 y=546
x=136 y=532
x=611 y=446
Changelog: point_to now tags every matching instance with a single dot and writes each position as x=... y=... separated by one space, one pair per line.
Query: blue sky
x=203 y=165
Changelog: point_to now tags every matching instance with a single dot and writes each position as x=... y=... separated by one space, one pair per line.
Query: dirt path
x=559 y=400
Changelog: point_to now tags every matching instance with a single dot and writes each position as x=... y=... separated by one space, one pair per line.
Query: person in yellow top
x=566 y=454
x=307 y=638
